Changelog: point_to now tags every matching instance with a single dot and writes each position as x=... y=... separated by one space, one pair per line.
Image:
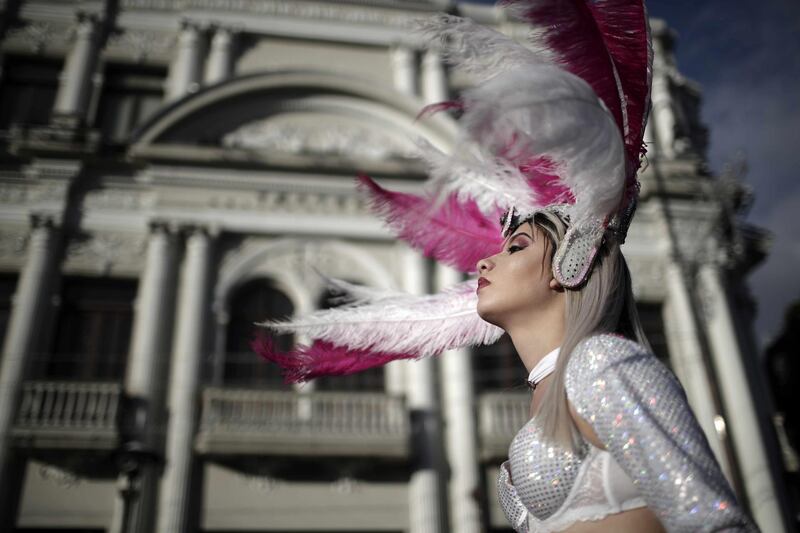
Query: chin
x=487 y=313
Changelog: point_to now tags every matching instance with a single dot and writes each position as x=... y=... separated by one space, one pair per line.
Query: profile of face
x=516 y=284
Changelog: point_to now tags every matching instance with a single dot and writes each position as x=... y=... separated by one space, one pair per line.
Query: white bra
x=551 y=488
x=554 y=487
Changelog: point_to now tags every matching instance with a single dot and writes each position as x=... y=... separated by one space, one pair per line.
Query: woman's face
x=517 y=282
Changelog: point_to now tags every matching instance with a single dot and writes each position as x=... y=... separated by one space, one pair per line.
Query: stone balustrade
x=316 y=423
x=500 y=415
x=79 y=415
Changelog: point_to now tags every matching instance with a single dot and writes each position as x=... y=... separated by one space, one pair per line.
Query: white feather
x=472 y=173
x=477 y=49
x=540 y=110
x=548 y=112
x=400 y=323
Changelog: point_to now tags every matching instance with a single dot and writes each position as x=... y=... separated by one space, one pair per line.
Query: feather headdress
x=553 y=123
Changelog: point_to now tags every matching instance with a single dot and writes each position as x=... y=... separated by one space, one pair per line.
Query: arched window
x=368 y=380
x=254 y=301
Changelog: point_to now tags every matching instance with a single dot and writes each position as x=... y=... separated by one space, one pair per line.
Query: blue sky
x=746 y=57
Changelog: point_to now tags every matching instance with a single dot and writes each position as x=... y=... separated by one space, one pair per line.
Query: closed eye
x=514 y=248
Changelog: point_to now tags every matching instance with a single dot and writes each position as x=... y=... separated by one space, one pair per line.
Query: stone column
x=76 y=79
x=663 y=113
x=426 y=513
x=145 y=385
x=751 y=451
x=184 y=384
x=688 y=360
x=220 y=59
x=30 y=303
x=404 y=68
x=461 y=437
x=434 y=78
x=184 y=71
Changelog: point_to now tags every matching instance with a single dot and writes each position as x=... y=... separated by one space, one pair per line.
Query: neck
x=533 y=343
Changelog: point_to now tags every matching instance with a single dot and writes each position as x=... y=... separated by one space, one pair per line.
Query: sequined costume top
x=656 y=454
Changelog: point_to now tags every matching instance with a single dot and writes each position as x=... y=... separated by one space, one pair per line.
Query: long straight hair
x=604 y=304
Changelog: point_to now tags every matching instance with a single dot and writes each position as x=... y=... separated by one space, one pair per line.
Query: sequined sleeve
x=515 y=512
x=639 y=411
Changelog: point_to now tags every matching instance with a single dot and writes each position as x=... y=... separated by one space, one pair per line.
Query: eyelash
x=515 y=248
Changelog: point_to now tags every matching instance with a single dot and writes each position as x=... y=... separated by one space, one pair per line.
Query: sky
x=745 y=55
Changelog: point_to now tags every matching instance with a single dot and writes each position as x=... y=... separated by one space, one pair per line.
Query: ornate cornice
x=141 y=44
x=37 y=36
x=345 y=140
x=383 y=16
x=104 y=252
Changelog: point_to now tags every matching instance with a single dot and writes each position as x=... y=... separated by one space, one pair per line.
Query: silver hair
x=604 y=304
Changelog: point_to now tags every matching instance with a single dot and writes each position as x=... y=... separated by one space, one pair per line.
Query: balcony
x=236 y=421
x=68 y=415
x=500 y=415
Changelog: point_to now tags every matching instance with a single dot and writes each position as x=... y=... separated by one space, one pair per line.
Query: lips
x=483 y=282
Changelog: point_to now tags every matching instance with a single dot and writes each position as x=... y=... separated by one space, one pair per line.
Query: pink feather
x=455 y=233
x=438 y=107
x=605 y=42
x=322 y=358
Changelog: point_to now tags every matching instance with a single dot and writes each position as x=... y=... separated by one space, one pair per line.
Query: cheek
x=522 y=286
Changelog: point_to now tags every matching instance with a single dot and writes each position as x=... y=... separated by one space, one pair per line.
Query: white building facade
x=173 y=171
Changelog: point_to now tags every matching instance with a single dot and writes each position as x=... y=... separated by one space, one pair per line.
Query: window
x=92 y=330
x=8 y=285
x=131 y=94
x=29 y=90
x=498 y=367
x=254 y=301
x=367 y=380
x=653 y=325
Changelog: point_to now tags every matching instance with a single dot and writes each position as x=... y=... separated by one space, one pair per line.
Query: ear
x=555 y=285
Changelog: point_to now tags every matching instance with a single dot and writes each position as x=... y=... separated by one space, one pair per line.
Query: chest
x=542 y=471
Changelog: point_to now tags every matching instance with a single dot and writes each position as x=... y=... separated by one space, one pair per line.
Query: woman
x=612 y=445
x=552 y=135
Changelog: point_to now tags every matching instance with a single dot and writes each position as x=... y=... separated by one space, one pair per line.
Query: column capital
x=193 y=26
x=162 y=226
x=43 y=220
x=87 y=18
x=190 y=229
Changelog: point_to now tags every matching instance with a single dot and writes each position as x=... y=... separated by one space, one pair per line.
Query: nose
x=485 y=265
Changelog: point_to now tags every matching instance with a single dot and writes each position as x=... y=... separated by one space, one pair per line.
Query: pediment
x=292 y=118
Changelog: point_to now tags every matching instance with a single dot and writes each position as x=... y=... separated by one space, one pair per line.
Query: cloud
x=776 y=284
x=746 y=57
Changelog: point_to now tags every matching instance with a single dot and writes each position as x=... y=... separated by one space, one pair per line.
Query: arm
x=639 y=411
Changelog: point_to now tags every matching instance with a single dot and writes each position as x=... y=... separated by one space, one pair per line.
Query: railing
x=316 y=423
x=501 y=415
x=68 y=414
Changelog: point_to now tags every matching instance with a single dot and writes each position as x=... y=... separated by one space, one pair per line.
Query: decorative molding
x=346 y=485
x=295 y=8
x=141 y=44
x=104 y=251
x=59 y=477
x=290 y=202
x=19 y=193
x=129 y=200
x=13 y=244
x=349 y=141
x=263 y=483
x=38 y=35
